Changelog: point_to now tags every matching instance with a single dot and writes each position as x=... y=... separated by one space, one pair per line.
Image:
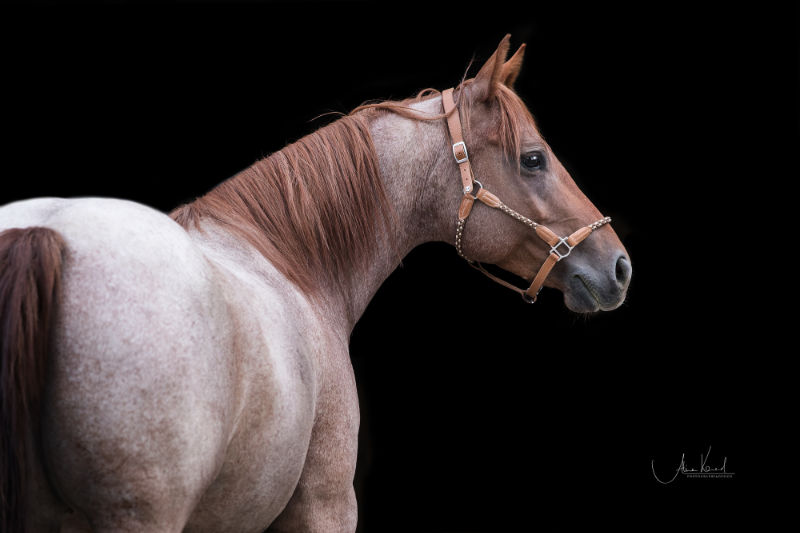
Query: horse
x=190 y=371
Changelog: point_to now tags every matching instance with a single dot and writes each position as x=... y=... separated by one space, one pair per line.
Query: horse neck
x=410 y=163
x=411 y=154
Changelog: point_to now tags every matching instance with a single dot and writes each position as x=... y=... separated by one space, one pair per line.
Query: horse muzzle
x=588 y=289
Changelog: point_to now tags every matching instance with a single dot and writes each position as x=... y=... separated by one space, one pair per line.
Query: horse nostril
x=623 y=270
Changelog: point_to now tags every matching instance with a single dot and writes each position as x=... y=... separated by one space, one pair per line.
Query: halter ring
x=527 y=299
x=476 y=186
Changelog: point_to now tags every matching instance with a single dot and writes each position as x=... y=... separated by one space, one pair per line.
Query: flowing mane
x=311 y=208
x=314 y=208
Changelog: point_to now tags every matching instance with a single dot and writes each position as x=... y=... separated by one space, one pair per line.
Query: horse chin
x=579 y=299
x=582 y=296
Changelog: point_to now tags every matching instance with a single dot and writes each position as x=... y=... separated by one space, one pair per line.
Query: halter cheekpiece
x=560 y=247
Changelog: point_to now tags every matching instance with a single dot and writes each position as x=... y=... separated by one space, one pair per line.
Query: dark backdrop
x=679 y=121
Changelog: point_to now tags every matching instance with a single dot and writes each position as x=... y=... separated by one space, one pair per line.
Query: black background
x=678 y=120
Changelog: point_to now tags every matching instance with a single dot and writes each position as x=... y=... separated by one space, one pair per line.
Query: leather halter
x=560 y=247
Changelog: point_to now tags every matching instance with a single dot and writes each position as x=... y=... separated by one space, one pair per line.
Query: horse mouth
x=590 y=288
x=583 y=298
x=589 y=297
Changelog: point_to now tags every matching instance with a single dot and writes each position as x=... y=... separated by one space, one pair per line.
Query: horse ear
x=512 y=67
x=491 y=72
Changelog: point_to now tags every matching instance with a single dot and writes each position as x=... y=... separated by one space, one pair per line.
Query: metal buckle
x=562 y=240
x=463 y=149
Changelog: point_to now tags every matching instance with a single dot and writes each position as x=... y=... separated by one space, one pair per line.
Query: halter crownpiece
x=560 y=247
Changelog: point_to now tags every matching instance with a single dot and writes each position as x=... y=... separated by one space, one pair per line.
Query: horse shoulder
x=277 y=340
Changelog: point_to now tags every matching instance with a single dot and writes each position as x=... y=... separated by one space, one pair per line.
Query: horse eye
x=533 y=161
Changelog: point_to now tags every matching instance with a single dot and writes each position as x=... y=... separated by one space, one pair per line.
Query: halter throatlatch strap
x=560 y=247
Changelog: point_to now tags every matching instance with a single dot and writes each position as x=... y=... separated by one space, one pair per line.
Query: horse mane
x=315 y=208
x=312 y=209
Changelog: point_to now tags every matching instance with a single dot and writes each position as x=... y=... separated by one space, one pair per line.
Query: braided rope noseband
x=560 y=247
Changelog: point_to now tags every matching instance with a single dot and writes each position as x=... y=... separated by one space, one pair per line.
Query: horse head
x=514 y=168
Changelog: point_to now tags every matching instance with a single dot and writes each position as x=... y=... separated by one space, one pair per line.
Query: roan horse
x=191 y=372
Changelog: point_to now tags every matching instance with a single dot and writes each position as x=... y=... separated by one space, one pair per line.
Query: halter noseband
x=560 y=247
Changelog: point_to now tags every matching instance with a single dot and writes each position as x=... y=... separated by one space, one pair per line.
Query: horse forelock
x=512 y=118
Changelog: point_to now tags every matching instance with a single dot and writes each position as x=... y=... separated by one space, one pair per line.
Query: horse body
x=187 y=369
x=198 y=376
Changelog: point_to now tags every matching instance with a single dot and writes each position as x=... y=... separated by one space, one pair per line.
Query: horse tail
x=30 y=276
